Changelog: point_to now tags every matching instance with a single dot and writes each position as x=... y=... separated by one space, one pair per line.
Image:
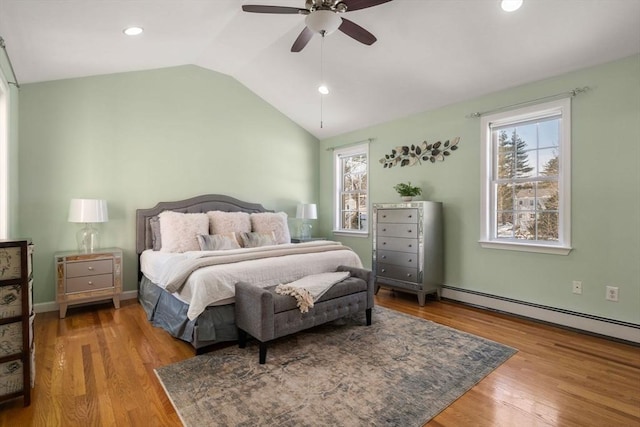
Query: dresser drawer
x=403 y=216
x=89 y=268
x=403 y=259
x=397 y=272
x=398 y=230
x=89 y=283
x=397 y=244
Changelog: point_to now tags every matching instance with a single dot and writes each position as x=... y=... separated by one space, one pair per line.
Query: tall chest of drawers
x=408 y=247
x=17 y=347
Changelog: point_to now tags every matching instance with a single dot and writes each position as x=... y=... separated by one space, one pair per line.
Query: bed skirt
x=215 y=325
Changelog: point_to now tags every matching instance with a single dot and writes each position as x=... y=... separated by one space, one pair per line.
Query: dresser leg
x=116 y=302
x=421 y=298
x=63 y=310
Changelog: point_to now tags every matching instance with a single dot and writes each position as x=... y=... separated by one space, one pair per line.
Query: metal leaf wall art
x=411 y=155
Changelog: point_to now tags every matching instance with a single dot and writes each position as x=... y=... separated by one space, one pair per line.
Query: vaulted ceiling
x=429 y=53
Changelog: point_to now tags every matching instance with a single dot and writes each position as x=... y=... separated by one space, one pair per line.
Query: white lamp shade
x=88 y=210
x=323 y=20
x=307 y=211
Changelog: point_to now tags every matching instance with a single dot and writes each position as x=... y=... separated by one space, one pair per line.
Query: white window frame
x=488 y=236
x=4 y=156
x=338 y=153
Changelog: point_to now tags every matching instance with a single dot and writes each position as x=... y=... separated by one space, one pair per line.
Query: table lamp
x=304 y=212
x=88 y=212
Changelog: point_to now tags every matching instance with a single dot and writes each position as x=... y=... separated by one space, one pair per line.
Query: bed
x=189 y=292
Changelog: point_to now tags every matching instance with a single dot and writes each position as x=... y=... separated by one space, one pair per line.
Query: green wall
x=139 y=138
x=605 y=194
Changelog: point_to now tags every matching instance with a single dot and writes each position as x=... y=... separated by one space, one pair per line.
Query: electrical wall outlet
x=577 y=287
x=612 y=293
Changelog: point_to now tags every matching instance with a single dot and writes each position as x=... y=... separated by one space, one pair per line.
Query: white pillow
x=180 y=231
x=268 y=221
x=229 y=222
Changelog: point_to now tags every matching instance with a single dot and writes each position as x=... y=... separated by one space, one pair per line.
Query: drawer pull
x=90 y=283
x=90 y=268
x=384 y=216
x=409 y=274
x=409 y=231
x=410 y=245
x=410 y=216
x=384 y=243
x=384 y=257
x=410 y=260
x=383 y=270
x=384 y=229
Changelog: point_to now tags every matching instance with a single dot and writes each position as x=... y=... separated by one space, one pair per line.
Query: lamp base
x=305 y=230
x=88 y=239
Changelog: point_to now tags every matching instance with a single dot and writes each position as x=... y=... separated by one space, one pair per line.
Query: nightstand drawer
x=89 y=283
x=89 y=268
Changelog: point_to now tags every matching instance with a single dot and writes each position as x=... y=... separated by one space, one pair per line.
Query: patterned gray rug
x=400 y=371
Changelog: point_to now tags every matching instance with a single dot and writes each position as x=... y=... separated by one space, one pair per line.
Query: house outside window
x=351 y=167
x=526 y=179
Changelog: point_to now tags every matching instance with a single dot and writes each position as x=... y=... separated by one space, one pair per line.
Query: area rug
x=400 y=371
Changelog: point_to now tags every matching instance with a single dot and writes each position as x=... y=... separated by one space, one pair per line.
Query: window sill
x=363 y=234
x=526 y=247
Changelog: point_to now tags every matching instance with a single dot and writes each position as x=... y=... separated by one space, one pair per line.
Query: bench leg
x=368 y=313
x=263 y=352
x=242 y=338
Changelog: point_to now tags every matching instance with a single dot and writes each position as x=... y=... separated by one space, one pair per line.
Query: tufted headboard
x=205 y=203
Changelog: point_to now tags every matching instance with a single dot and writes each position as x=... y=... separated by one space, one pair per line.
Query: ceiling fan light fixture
x=133 y=31
x=323 y=21
x=323 y=89
x=510 y=5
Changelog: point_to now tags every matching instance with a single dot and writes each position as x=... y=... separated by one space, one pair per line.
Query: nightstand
x=86 y=277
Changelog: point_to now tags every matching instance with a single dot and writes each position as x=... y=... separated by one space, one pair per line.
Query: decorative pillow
x=265 y=222
x=254 y=240
x=179 y=231
x=156 y=239
x=229 y=222
x=218 y=242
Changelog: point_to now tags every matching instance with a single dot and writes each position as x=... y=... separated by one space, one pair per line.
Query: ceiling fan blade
x=302 y=40
x=272 y=9
x=355 y=31
x=362 y=4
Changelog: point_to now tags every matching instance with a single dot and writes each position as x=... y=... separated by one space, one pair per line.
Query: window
x=526 y=179
x=4 y=157
x=351 y=168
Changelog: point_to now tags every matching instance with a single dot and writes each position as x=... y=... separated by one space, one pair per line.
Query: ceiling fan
x=322 y=18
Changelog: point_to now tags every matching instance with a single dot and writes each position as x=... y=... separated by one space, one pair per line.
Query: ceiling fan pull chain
x=321 y=75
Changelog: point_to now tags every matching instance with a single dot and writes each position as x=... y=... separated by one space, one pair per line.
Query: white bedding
x=215 y=284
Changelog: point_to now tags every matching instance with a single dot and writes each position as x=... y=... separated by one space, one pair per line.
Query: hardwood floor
x=95 y=368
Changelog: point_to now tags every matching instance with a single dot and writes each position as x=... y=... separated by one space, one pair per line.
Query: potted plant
x=407 y=191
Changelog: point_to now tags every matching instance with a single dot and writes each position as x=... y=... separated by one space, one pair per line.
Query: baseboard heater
x=584 y=322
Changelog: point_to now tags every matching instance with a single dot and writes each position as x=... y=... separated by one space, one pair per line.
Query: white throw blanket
x=310 y=288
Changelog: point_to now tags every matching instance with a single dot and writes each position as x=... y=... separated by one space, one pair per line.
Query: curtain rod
x=4 y=47
x=570 y=93
x=350 y=144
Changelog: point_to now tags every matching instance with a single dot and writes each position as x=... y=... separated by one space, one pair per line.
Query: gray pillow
x=254 y=240
x=156 y=237
x=218 y=242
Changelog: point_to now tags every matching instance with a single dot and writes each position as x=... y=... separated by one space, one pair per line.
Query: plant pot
x=407 y=198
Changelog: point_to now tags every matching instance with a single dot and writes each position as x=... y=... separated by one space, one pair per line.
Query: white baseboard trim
x=44 y=307
x=591 y=324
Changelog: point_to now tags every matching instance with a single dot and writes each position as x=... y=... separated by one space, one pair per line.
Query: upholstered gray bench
x=266 y=315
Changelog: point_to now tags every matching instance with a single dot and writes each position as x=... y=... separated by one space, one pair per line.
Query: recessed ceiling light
x=323 y=89
x=133 y=31
x=510 y=5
